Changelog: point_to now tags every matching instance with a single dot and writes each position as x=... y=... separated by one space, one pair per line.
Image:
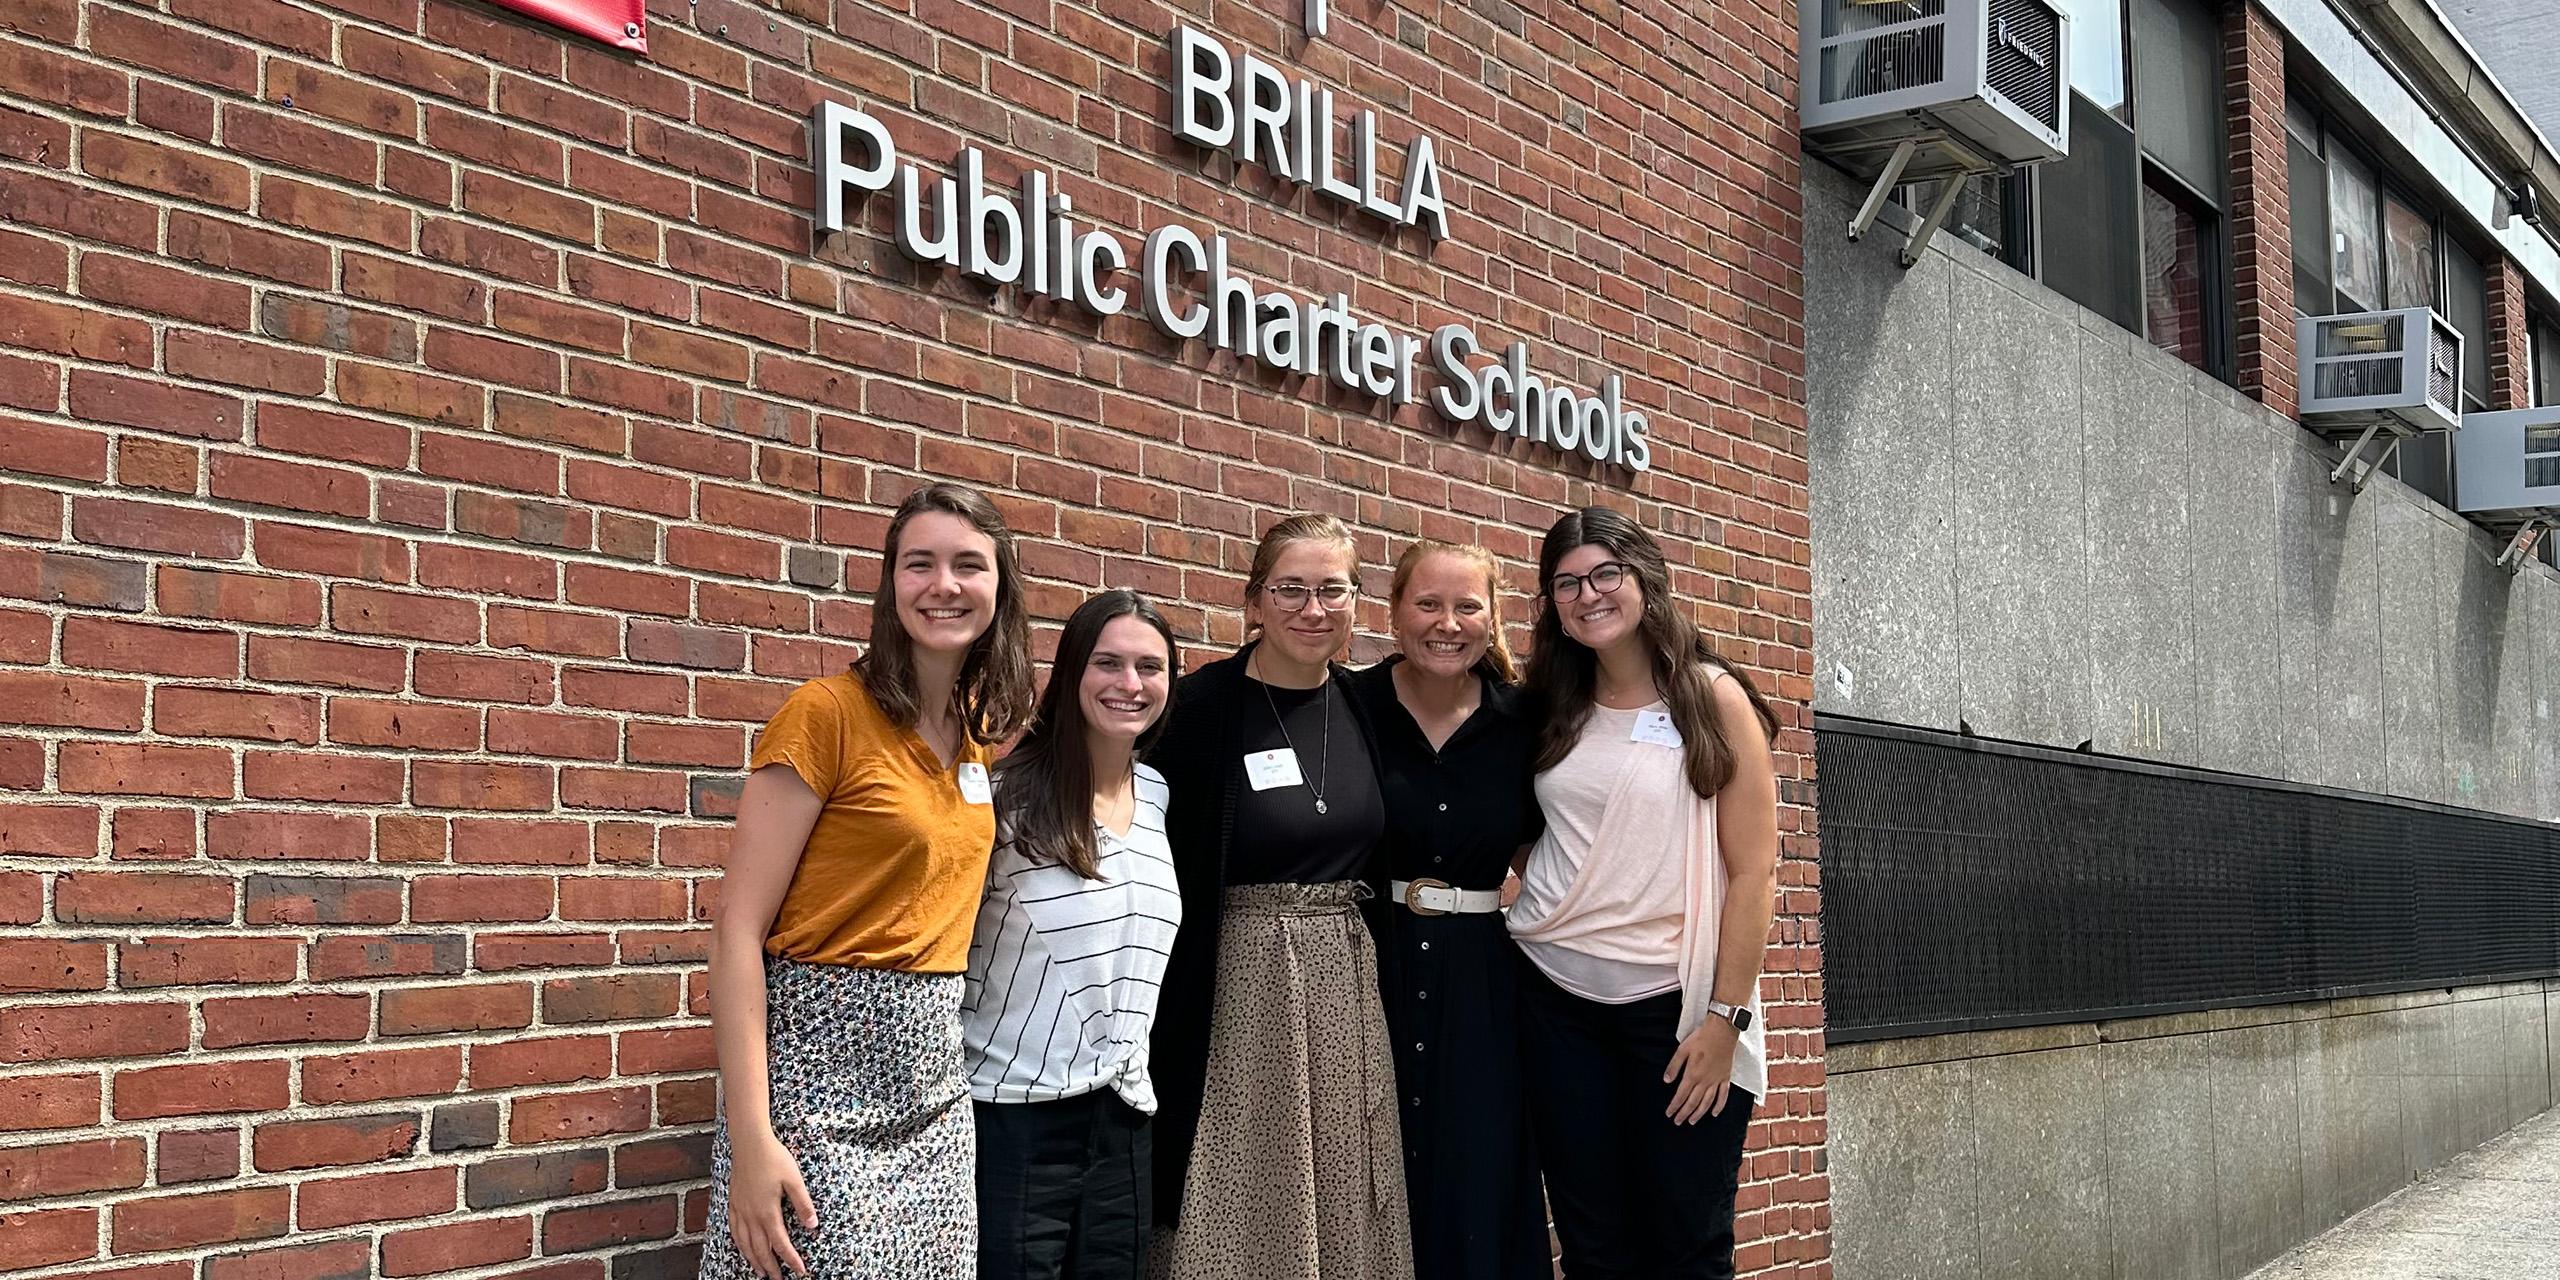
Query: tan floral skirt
x=1297 y=1173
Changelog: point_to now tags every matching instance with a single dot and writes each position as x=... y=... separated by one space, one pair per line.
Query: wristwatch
x=1738 y=1015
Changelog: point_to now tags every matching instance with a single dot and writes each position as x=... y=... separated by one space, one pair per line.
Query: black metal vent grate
x=2021 y=52
x=1969 y=885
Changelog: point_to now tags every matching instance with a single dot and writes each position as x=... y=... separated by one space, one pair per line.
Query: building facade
x=431 y=440
x=2188 y=807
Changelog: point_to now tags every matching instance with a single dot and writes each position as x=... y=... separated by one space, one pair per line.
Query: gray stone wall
x=2029 y=520
x=2192 y=1147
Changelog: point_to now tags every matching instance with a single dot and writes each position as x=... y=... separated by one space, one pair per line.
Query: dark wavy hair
x=1563 y=672
x=992 y=696
x=1048 y=776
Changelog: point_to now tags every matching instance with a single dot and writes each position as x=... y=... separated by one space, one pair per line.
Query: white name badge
x=1275 y=768
x=1656 y=727
x=973 y=784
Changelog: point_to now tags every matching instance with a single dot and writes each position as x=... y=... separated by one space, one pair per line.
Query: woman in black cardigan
x=1276 y=1149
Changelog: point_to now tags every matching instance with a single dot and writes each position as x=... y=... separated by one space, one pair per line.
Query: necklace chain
x=1324 y=693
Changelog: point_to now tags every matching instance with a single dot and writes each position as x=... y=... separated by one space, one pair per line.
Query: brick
x=70 y=1168
x=511 y=519
x=202 y=1089
x=550 y=1175
x=473 y=678
x=294 y=660
x=190 y=592
x=203 y=1218
x=657 y=1052
x=621 y=997
x=188 y=175
x=48 y=964
x=683 y=1102
x=29 y=1103
x=49 y=830
x=138 y=897
x=628 y=590
x=403 y=724
x=407 y=955
x=457 y=785
x=378 y=1197
x=556 y=1117
x=627 y=790
x=659 y=1264
x=462 y=1245
x=198 y=962
x=377 y=1074
x=293 y=486
x=496 y=1006
x=621 y=898
x=162 y=290
x=37 y=448
x=57 y=578
x=498 y=952
x=67 y=330
x=321 y=776
x=408 y=837
x=155 y=833
x=43 y=1236
x=224 y=245
x=158 y=406
x=664 y=946
x=184 y=712
x=170 y=466
x=136 y=769
x=287 y=835
x=274 y=899
x=583 y=635
x=298 y=1019
x=615 y=1222
x=152 y=526
x=113 y=644
x=198 y=1155
x=458 y=899
x=48 y=1033
x=308 y=207
x=521 y=841
x=327 y=1260
x=546 y=733
x=654 y=1162
x=66 y=701
x=372 y=611
x=710 y=746
x=549 y=1060
x=479 y=571
x=335 y=553
x=463 y=1126
x=338 y=1140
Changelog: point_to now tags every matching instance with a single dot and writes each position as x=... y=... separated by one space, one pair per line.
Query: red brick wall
x=2510 y=337
x=2261 y=212
x=430 y=443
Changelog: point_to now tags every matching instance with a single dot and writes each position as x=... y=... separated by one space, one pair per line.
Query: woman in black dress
x=1454 y=749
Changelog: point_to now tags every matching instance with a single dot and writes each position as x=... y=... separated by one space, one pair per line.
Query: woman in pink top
x=1643 y=912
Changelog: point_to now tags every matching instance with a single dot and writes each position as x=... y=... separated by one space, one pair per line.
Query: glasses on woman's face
x=1604 y=578
x=1292 y=597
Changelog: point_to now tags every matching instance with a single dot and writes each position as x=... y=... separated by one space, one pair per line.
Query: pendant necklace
x=1325 y=695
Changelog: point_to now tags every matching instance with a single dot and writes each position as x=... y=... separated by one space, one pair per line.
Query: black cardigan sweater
x=1201 y=756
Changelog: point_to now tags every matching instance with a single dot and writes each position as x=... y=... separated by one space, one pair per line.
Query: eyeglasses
x=1604 y=578
x=1292 y=597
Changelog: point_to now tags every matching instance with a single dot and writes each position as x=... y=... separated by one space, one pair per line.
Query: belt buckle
x=1413 y=892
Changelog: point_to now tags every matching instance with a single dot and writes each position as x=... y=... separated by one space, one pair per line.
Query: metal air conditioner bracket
x=2520 y=547
x=1951 y=162
x=2356 y=451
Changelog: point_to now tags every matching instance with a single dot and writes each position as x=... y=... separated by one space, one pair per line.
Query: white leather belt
x=1439 y=898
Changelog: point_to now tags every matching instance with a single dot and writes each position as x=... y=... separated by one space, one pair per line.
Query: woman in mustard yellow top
x=845 y=1144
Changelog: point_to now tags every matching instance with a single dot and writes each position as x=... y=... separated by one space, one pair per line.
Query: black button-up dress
x=1457 y=815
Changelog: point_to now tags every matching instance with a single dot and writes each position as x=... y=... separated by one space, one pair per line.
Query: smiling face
x=1598 y=620
x=946 y=581
x=1310 y=636
x=1445 y=618
x=1127 y=680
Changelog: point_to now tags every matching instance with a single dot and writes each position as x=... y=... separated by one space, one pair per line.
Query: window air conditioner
x=2400 y=371
x=1990 y=76
x=2506 y=466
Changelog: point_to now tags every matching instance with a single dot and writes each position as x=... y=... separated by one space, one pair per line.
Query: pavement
x=2493 y=1214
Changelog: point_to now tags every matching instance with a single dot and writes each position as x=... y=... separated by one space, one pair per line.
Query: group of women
x=1212 y=977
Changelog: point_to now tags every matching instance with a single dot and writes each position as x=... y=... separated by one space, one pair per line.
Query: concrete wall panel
x=2257 y=1143
x=2137 y=474
x=2231 y=503
x=2162 y=1215
x=2416 y=594
x=1912 y=1212
x=2042 y=1149
x=2328 y=611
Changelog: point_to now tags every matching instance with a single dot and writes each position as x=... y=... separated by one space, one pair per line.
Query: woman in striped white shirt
x=1080 y=912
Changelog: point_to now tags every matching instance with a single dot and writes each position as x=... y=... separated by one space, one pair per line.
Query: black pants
x=1633 y=1194
x=1065 y=1189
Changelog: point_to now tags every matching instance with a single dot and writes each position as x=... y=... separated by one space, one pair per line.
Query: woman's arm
x=1747 y=840
x=775 y=814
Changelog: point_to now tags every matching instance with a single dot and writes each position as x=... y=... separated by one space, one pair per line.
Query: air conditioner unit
x=2506 y=466
x=1991 y=76
x=2400 y=371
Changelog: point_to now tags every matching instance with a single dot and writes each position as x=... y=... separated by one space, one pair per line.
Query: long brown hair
x=1497 y=662
x=1563 y=672
x=992 y=696
x=1048 y=776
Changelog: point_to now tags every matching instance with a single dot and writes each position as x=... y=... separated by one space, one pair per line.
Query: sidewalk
x=2494 y=1214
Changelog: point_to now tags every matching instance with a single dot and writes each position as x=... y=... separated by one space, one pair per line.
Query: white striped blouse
x=1063 y=971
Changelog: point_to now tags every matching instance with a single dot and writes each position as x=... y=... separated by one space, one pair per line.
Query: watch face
x=1742 y=1019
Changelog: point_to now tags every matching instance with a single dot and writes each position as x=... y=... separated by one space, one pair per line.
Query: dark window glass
x=2466 y=303
x=2546 y=363
x=2426 y=465
x=2355 y=226
x=2308 y=179
x=2411 y=237
x=2091 y=200
x=2177 y=90
x=2174 y=252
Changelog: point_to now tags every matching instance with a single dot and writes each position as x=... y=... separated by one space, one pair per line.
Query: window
x=2131 y=223
x=2359 y=242
x=2546 y=362
x=2466 y=304
x=2411 y=255
x=2355 y=220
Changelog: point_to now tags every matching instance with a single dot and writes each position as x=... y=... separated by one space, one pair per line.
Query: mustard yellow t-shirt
x=895 y=866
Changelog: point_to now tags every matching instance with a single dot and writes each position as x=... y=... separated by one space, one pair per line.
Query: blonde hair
x=1497 y=661
x=1302 y=528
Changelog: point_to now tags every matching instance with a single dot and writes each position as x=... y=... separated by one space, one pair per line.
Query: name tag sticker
x=1656 y=727
x=1275 y=768
x=973 y=784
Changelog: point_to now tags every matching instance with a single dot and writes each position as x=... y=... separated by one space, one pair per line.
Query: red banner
x=620 y=23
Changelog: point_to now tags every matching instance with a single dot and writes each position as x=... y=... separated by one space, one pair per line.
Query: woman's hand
x=762 y=1175
x=1702 y=1068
